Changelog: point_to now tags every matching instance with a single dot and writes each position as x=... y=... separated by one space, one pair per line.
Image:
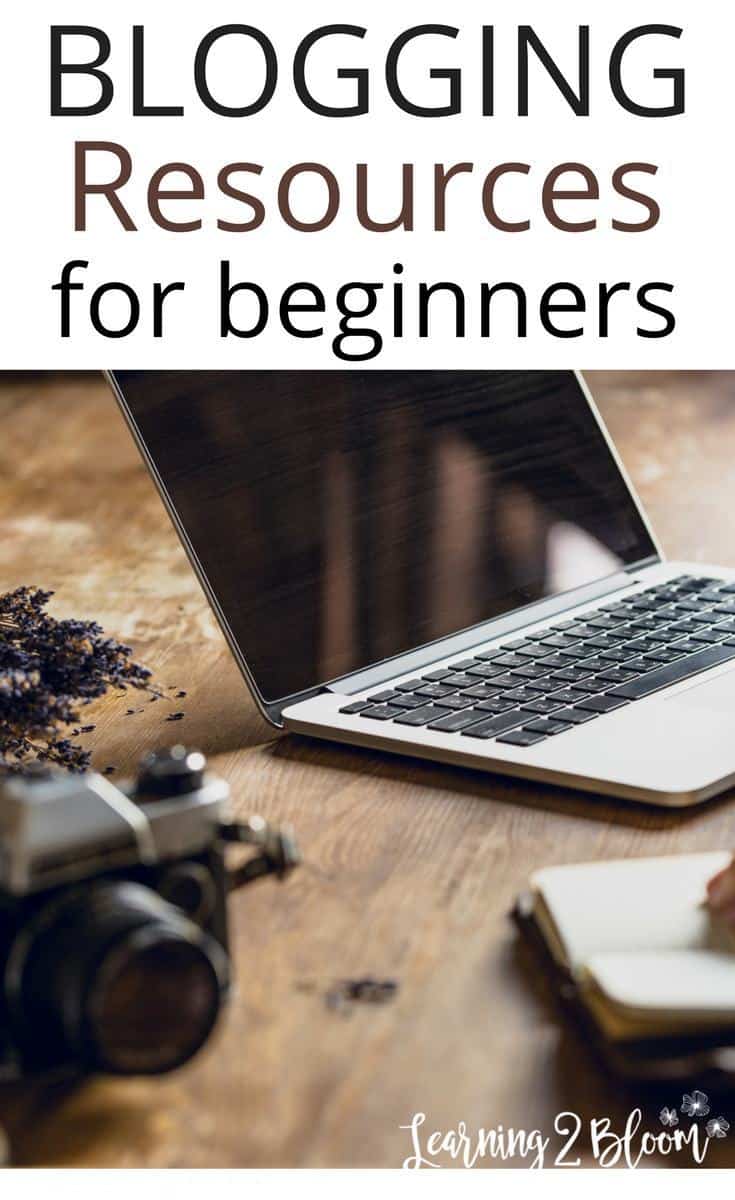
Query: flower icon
x=696 y=1105
x=717 y=1127
x=668 y=1117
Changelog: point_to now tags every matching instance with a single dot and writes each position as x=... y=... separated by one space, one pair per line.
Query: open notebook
x=647 y=959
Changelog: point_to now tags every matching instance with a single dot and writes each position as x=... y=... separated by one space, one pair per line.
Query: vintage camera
x=113 y=918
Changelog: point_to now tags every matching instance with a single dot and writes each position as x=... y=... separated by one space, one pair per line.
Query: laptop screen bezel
x=430 y=651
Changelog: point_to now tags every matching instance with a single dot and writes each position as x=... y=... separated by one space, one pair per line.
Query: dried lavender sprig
x=49 y=670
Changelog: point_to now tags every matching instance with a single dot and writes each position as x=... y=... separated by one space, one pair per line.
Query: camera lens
x=117 y=979
x=153 y=1002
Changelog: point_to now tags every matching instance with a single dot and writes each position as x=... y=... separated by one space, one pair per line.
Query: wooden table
x=411 y=868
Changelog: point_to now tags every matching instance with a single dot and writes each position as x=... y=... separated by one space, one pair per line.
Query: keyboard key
x=689 y=584
x=692 y=605
x=642 y=646
x=710 y=636
x=689 y=646
x=640 y=665
x=508 y=681
x=605 y=641
x=581 y=632
x=496 y=706
x=712 y=656
x=659 y=655
x=595 y=665
x=603 y=704
x=409 y=686
x=520 y=695
x=455 y=702
x=419 y=716
x=384 y=697
x=437 y=676
x=407 y=701
x=471 y=662
x=496 y=725
x=381 y=712
x=585 y=630
x=533 y=671
x=591 y=686
x=521 y=737
x=543 y=706
x=547 y=728
x=357 y=707
x=603 y=624
x=668 y=635
x=665 y=615
x=510 y=661
x=580 y=651
x=571 y=674
x=515 y=645
x=542 y=686
x=683 y=627
x=555 y=662
x=559 y=641
x=666 y=654
x=667 y=591
x=642 y=603
x=617 y=675
x=620 y=655
x=486 y=656
x=487 y=670
x=434 y=691
x=574 y=716
x=570 y=696
x=482 y=691
x=462 y=680
x=534 y=650
x=457 y=721
x=647 y=625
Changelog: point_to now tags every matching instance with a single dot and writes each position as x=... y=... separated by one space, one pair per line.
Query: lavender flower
x=49 y=671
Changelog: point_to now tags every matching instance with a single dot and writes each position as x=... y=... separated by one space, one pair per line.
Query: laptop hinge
x=459 y=643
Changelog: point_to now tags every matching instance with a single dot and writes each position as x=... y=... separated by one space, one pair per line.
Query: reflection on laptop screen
x=342 y=517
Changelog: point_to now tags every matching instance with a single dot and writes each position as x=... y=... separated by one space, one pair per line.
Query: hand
x=721 y=894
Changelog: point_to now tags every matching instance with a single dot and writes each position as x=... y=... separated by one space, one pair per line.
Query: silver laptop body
x=367 y=520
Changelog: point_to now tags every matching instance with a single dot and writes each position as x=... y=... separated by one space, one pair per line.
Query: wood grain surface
x=411 y=868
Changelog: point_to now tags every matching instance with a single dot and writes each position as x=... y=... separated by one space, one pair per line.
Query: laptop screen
x=345 y=517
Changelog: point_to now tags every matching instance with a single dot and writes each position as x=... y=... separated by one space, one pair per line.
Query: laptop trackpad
x=717 y=695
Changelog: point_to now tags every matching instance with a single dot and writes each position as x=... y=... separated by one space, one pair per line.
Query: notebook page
x=694 y=985
x=630 y=905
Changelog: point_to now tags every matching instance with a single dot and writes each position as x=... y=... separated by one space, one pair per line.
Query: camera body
x=114 y=952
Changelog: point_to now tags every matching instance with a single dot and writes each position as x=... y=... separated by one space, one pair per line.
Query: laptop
x=446 y=564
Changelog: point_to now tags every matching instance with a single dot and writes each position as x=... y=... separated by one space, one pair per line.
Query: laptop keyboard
x=572 y=672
